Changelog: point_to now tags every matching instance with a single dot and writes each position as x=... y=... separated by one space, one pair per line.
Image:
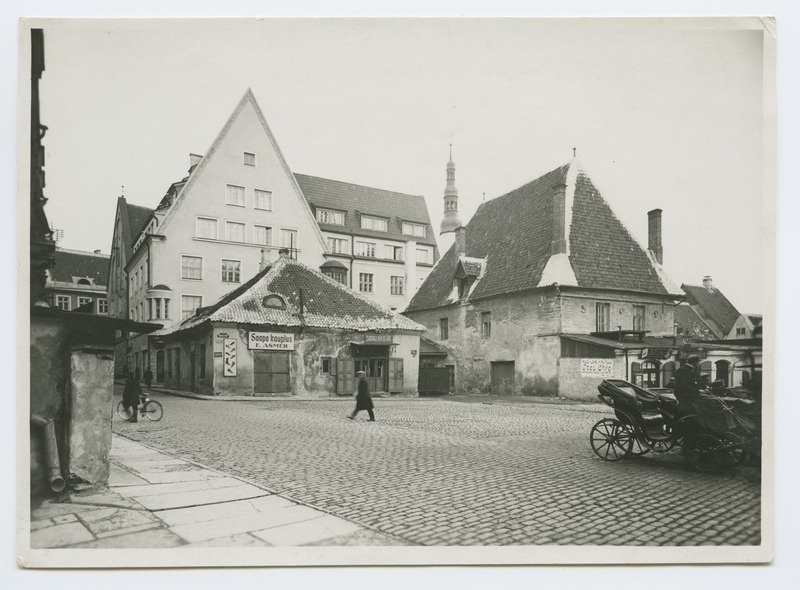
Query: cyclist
x=131 y=395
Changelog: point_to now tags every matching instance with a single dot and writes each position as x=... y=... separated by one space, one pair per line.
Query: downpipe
x=57 y=483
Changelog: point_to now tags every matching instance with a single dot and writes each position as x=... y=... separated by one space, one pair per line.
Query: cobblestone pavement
x=435 y=472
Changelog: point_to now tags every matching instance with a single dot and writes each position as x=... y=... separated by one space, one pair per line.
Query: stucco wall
x=579 y=314
x=573 y=385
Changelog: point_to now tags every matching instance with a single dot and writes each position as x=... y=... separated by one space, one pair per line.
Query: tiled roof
x=513 y=233
x=714 y=304
x=691 y=324
x=326 y=303
x=430 y=348
x=354 y=199
x=74 y=263
x=137 y=217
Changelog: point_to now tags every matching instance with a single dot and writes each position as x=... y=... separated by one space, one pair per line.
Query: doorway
x=270 y=371
x=503 y=378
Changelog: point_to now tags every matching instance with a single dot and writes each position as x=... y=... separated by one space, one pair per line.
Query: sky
x=663 y=115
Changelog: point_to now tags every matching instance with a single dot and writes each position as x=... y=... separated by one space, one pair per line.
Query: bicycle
x=147 y=407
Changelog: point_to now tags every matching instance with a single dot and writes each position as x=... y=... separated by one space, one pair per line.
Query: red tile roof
x=513 y=233
x=326 y=303
x=75 y=263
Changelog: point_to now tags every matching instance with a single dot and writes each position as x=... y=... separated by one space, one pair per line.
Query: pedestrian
x=137 y=375
x=363 y=398
x=130 y=396
x=148 y=377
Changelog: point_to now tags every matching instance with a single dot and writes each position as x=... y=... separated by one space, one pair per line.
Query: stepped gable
x=75 y=263
x=354 y=199
x=326 y=303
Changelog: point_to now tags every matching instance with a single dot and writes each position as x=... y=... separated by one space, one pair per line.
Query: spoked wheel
x=705 y=453
x=637 y=448
x=125 y=413
x=661 y=446
x=611 y=440
x=153 y=410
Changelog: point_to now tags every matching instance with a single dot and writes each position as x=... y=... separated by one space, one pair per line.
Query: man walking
x=363 y=398
x=130 y=396
x=148 y=377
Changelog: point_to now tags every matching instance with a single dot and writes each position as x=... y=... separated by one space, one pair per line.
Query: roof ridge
x=374 y=188
x=84 y=252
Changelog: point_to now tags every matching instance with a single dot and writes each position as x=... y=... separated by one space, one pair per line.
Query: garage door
x=271 y=371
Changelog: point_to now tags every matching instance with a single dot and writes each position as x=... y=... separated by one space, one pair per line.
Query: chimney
x=194 y=160
x=461 y=240
x=264 y=262
x=654 y=234
x=558 y=245
x=708 y=283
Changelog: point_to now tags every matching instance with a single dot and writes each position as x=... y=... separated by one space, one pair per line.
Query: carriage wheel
x=705 y=453
x=611 y=440
x=637 y=448
x=661 y=446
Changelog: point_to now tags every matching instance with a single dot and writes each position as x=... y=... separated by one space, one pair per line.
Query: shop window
x=646 y=374
x=667 y=372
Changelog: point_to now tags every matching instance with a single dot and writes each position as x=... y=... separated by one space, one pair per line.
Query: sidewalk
x=154 y=500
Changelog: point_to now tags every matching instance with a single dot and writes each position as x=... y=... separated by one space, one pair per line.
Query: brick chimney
x=708 y=283
x=558 y=244
x=194 y=160
x=461 y=240
x=654 y=234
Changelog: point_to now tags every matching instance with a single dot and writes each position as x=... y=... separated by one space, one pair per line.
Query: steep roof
x=714 y=304
x=690 y=324
x=326 y=303
x=513 y=234
x=75 y=263
x=355 y=199
x=133 y=219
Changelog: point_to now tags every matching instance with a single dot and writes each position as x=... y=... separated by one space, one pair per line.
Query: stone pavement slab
x=157 y=489
x=199 y=497
x=319 y=529
x=60 y=535
x=198 y=514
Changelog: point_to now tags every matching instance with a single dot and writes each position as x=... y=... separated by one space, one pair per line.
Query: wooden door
x=345 y=376
x=503 y=376
x=270 y=371
x=395 y=375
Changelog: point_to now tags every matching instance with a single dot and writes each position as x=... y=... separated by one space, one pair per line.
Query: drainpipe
x=57 y=483
x=627 y=378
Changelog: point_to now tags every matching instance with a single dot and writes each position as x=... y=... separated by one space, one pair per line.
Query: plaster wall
x=579 y=314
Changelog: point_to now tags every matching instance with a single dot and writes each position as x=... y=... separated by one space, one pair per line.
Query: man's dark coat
x=363 y=398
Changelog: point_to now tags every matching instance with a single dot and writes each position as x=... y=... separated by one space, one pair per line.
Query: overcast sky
x=666 y=115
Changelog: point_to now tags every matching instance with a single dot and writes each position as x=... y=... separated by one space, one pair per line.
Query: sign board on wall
x=229 y=362
x=270 y=341
x=597 y=368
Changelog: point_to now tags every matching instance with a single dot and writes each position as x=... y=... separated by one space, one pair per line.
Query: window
x=262 y=235
x=413 y=229
x=189 y=304
x=102 y=306
x=423 y=256
x=249 y=159
x=192 y=268
x=365 y=282
x=638 y=317
x=155 y=308
x=337 y=274
x=234 y=195
x=337 y=245
x=365 y=249
x=83 y=301
x=741 y=331
x=603 y=317
x=486 y=324
x=166 y=309
x=206 y=228
x=230 y=271
x=374 y=223
x=234 y=232
x=328 y=216
x=326 y=364
x=263 y=199
x=63 y=302
x=394 y=252
x=444 y=329
x=396 y=285
x=289 y=240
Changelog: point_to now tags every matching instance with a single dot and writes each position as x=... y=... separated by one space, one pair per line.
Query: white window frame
x=83 y=300
x=362 y=247
x=427 y=256
x=229 y=193
x=228 y=225
x=328 y=216
x=268 y=195
x=285 y=231
x=335 y=243
x=222 y=262
x=268 y=229
x=368 y=222
x=253 y=158
x=392 y=286
x=197 y=219
x=67 y=299
x=409 y=228
x=362 y=282
x=100 y=303
x=202 y=267
x=183 y=309
x=391 y=252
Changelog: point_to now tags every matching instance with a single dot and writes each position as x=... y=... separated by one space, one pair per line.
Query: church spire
x=451 y=221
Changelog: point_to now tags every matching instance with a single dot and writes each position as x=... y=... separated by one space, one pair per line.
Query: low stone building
x=533 y=274
x=291 y=330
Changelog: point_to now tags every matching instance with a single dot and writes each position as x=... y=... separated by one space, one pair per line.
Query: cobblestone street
x=441 y=472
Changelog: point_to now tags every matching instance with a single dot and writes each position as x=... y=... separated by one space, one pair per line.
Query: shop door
x=503 y=375
x=395 y=375
x=345 y=376
x=160 y=366
x=270 y=371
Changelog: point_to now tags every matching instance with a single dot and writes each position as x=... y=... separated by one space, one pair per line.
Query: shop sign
x=229 y=360
x=270 y=341
x=597 y=368
x=656 y=353
x=685 y=354
x=222 y=335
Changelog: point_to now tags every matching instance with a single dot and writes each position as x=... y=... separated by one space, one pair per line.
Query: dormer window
x=273 y=302
x=329 y=216
x=84 y=283
x=413 y=229
x=374 y=223
x=249 y=159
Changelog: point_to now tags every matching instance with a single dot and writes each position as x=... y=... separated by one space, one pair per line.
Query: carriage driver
x=692 y=398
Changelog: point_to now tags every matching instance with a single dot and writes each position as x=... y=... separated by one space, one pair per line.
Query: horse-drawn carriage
x=719 y=432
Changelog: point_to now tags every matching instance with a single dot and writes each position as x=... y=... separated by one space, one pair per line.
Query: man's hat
x=360 y=373
x=693 y=358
